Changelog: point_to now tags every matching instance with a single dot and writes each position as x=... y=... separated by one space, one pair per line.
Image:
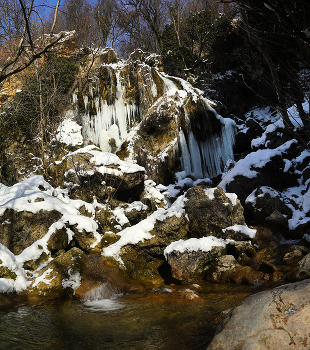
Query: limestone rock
x=275 y=319
x=145 y=261
x=190 y=265
x=264 y=201
x=18 y=230
x=91 y=173
x=61 y=273
x=237 y=248
x=211 y=210
x=303 y=269
x=222 y=268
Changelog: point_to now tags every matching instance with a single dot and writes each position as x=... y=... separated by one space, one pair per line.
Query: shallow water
x=137 y=321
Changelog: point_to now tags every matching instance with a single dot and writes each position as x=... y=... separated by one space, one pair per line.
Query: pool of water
x=143 y=321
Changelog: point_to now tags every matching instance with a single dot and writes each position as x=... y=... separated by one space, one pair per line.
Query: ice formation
x=107 y=122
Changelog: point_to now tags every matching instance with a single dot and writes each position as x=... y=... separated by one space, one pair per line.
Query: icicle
x=110 y=121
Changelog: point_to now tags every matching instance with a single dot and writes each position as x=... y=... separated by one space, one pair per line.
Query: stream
x=137 y=321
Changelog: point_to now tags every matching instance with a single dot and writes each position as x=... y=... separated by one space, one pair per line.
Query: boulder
x=245 y=136
x=60 y=277
x=303 y=268
x=190 y=265
x=263 y=202
x=275 y=319
x=262 y=168
x=227 y=269
x=241 y=247
x=90 y=173
x=145 y=261
x=210 y=211
x=18 y=230
x=222 y=268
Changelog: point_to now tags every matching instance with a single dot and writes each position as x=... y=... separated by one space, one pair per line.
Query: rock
x=243 y=259
x=292 y=257
x=187 y=294
x=237 y=248
x=108 y=55
x=145 y=261
x=266 y=254
x=18 y=230
x=246 y=275
x=267 y=267
x=264 y=237
x=190 y=265
x=211 y=210
x=268 y=173
x=221 y=269
x=278 y=223
x=91 y=173
x=244 y=137
x=303 y=268
x=63 y=272
x=58 y=241
x=264 y=202
x=83 y=239
x=275 y=319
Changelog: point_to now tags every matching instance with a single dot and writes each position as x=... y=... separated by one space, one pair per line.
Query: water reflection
x=134 y=322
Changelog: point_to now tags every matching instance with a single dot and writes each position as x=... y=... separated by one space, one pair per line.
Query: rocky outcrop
x=210 y=211
x=90 y=173
x=189 y=266
x=145 y=261
x=18 y=230
x=276 y=319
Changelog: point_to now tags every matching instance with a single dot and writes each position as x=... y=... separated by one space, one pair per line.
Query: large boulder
x=264 y=167
x=20 y=229
x=145 y=261
x=191 y=265
x=210 y=211
x=264 y=201
x=275 y=319
x=90 y=173
x=60 y=277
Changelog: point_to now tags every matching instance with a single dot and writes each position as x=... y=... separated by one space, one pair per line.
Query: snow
x=43 y=278
x=69 y=131
x=8 y=259
x=73 y=282
x=22 y=197
x=256 y=159
x=204 y=244
x=243 y=229
x=264 y=189
x=102 y=160
x=142 y=231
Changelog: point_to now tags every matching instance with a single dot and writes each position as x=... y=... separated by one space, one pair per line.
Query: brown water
x=138 y=321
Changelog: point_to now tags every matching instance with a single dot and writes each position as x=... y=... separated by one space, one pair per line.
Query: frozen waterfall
x=109 y=126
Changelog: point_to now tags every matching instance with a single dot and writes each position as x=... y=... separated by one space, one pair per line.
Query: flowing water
x=140 y=321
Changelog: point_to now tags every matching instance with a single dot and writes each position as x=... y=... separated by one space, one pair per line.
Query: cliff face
x=161 y=122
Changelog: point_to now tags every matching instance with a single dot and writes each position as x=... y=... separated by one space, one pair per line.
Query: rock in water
x=275 y=319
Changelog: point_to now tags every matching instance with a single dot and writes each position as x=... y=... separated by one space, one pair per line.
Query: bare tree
x=18 y=47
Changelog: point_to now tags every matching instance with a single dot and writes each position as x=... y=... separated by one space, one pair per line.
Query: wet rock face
x=18 y=230
x=276 y=319
x=210 y=214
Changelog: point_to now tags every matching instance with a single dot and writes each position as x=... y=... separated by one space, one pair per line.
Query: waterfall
x=102 y=298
